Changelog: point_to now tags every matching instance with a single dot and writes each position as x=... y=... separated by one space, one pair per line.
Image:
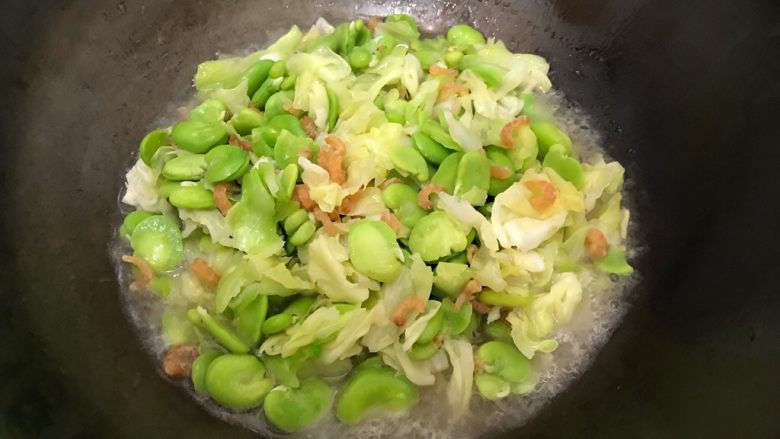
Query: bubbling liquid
x=604 y=302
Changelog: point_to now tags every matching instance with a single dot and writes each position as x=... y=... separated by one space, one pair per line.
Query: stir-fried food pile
x=362 y=209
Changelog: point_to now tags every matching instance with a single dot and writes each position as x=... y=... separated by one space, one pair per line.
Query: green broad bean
x=436 y=236
x=473 y=179
x=276 y=324
x=403 y=18
x=192 y=197
x=456 y=321
x=448 y=171
x=458 y=258
x=499 y=331
x=198 y=136
x=362 y=34
x=433 y=328
x=185 y=167
x=277 y=70
x=256 y=74
x=287 y=180
x=284 y=371
x=508 y=300
x=471 y=329
x=374 y=390
x=450 y=278
x=409 y=160
x=504 y=360
x=373 y=250
x=226 y=163
x=615 y=262
x=409 y=213
x=463 y=34
x=131 y=221
x=303 y=234
x=249 y=319
x=360 y=58
x=300 y=306
x=209 y=111
x=221 y=332
x=289 y=146
x=263 y=140
x=397 y=194
x=237 y=381
x=548 y=135
x=498 y=157
x=452 y=58
x=568 y=168
x=278 y=103
x=429 y=148
x=294 y=221
x=370 y=363
x=157 y=240
x=289 y=82
x=384 y=45
x=333 y=109
x=199 y=368
x=151 y=143
x=440 y=135
x=246 y=120
x=492 y=387
x=523 y=155
x=293 y=410
x=265 y=91
x=423 y=351
x=287 y=122
x=491 y=74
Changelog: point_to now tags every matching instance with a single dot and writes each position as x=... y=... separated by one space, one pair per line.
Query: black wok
x=685 y=93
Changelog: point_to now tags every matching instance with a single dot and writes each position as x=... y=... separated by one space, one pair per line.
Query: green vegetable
x=615 y=262
x=151 y=143
x=374 y=251
x=548 y=135
x=237 y=381
x=409 y=160
x=197 y=136
x=490 y=297
x=436 y=236
x=499 y=331
x=293 y=410
x=192 y=197
x=131 y=221
x=503 y=360
x=567 y=167
x=432 y=329
x=185 y=167
x=246 y=120
x=276 y=324
x=264 y=92
x=333 y=110
x=226 y=163
x=448 y=171
x=463 y=35
x=423 y=351
x=450 y=277
x=249 y=319
x=256 y=74
x=455 y=321
x=375 y=390
x=158 y=241
x=221 y=332
x=209 y=111
x=278 y=103
x=429 y=148
x=473 y=179
x=199 y=368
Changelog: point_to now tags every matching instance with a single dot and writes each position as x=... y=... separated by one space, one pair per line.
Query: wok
x=685 y=94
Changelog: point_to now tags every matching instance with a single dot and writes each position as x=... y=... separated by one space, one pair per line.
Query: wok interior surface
x=685 y=95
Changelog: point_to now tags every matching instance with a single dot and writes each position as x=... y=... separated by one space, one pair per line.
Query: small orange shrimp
x=543 y=194
x=596 y=243
x=310 y=127
x=301 y=195
x=392 y=221
x=509 y=129
x=178 y=360
x=424 y=196
x=327 y=222
x=436 y=69
x=146 y=272
x=221 y=199
x=203 y=271
x=349 y=202
x=290 y=108
x=472 y=287
x=371 y=25
x=240 y=142
x=452 y=89
x=405 y=308
x=331 y=159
